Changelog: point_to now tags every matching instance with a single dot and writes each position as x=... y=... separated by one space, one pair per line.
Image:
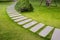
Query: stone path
x=17 y=17
x=20 y=19
x=24 y=22
x=56 y=34
x=35 y=26
x=29 y=24
x=46 y=31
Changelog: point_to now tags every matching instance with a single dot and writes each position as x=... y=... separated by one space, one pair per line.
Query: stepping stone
x=37 y=27
x=46 y=31
x=20 y=19
x=25 y=21
x=17 y=17
x=56 y=34
x=11 y=6
x=10 y=10
x=13 y=15
x=29 y=24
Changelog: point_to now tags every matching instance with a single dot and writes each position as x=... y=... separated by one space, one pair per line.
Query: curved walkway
x=33 y=25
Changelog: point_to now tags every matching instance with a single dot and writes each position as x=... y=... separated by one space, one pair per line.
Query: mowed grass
x=49 y=16
x=10 y=30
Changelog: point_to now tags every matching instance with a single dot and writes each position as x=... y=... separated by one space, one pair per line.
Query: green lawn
x=49 y=16
x=9 y=30
x=12 y=31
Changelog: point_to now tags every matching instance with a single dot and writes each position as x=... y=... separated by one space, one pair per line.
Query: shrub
x=24 y=6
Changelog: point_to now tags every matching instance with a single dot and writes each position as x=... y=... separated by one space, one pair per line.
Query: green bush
x=24 y=6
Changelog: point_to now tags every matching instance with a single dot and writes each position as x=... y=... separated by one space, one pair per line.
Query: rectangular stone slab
x=17 y=17
x=13 y=15
x=29 y=24
x=37 y=27
x=46 y=31
x=10 y=11
x=20 y=19
x=25 y=21
x=56 y=34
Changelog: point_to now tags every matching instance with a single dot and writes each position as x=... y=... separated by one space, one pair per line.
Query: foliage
x=24 y=5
